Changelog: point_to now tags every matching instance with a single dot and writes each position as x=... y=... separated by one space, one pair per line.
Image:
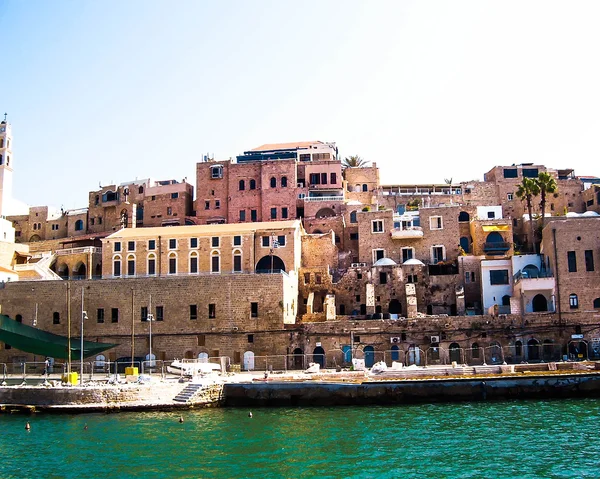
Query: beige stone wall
x=319 y=251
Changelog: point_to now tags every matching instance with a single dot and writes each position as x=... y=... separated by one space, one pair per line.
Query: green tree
x=526 y=191
x=354 y=161
x=546 y=185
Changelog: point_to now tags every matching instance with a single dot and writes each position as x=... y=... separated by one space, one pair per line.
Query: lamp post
x=84 y=316
x=150 y=319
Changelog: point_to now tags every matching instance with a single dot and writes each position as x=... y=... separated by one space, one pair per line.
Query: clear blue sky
x=101 y=92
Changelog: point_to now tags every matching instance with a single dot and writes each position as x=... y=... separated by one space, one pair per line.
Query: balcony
x=443 y=268
x=412 y=232
x=323 y=198
x=534 y=281
x=496 y=247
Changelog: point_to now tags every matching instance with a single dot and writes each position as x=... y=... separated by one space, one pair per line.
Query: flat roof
x=205 y=230
x=286 y=146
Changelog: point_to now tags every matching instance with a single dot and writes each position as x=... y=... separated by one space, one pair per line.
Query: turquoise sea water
x=520 y=439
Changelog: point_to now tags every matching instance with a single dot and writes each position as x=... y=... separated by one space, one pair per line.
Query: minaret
x=6 y=167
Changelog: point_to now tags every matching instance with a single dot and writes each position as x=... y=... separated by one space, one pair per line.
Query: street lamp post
x=150 y=319
x=84 y=316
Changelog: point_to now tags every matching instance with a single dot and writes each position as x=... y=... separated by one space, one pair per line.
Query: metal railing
x=323 y=198
x=81 y=250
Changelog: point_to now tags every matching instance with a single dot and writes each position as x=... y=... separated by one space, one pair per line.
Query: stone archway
x=298 y=358
x=539 y=303
x=80 y=271
x=248 y=361
x=533 y=350
x=324 y=213
x=454 y=351
x=319 y=356
x=395 y=307
x=268 y=264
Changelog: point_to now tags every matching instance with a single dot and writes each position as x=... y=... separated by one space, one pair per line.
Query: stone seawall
x=311 y=393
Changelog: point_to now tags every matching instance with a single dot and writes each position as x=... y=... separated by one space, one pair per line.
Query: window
x=253 y=215
x=114 y=315
x=144 y=313
x=100 y=315
x=377 y=226
x=357 y=298
x=435 y=223
x=438 y=253
x=131 y=246
x=333 y=178
x=530 y=172
x=193 y=263
x=237 y=262
x=254 y=310
x=151 y=265
x=193 y=242
x=117 y=266
x=572 y=261
x=131 y=265
x=378 y=254
x=597 y=303
x=266 y=241
x=237 y=241
x=273 y=213
x=407 y=253
x=315 y=178
x=382 y=278
x=284 y=213
x=365 y=188
x=252 y=184
x=217 y=204
x=241 y=185
x=193 y=312
x=216 y=172
x=172 y=264
x=207 y=205
x=354 y=236
x=56 y=317
x=174 y=196
x=318 y=278
x=169 y=211
x=509 y=196
x=212 y=310
x=215 y=262
x=78 y=225
x=152 y=245
x=411 y=278
x=499 y=276
x=273 y=182
x=242 y=215
x=251 y=336
x=215 y=242
x=117 y=246
x=281 y=241
x=589 y=260
x=304 y=157
x=323 y=178
x=306 y=278
x=491 y=215
x=172 y=244
x=573 y=301
x=284 y=181
x=510 y=173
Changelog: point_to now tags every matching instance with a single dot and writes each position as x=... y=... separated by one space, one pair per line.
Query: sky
x=107 y=92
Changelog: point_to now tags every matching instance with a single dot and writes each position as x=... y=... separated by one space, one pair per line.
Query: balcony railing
x=531 y=275
x=496 y=247
x=324 y=198
x=407 y=233
x=82 y=250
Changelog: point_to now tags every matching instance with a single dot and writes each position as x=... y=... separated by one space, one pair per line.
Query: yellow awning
x=488 y=228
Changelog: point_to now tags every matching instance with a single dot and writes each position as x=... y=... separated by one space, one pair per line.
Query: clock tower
x=6 y=167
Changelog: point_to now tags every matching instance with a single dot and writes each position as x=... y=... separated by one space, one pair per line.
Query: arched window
x=131 y=265
x=273 y=182
x=573 y=301
x=252 y=184
x=237 y=261
x=140 y=190
x=475 y=351
x=117 y=265
x=353 y=217
x=463 y=216
x=172 y=263
x=518 y=348
x=242 y=185
x=78 y=225
x=365 y=187
x=597 y=303
x=151 y=266
x=215 y=262
x=194 y=262
x=284 y=181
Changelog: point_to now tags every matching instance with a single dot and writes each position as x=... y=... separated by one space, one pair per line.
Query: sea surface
x=516 y=439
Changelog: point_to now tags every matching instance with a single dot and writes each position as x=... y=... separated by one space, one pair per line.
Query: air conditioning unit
x=300 y=185
x=395 y=340
x=358 y=265
x=435 y=339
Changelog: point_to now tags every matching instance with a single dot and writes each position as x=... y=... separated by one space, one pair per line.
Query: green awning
x=36 y=341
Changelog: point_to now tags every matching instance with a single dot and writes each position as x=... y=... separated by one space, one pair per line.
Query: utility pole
x=69 y=328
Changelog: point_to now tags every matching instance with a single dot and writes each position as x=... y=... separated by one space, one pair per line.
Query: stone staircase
x=188 y=392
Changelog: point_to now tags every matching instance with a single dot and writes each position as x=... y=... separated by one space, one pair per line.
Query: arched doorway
x=100 y=363
x=298 y=358
x=413 y=355
x=363 y=309
x=203 y=357
x=531 y=271
x=455 y=353
x=189 y=355
x=465 y=244
x=463 y=216
x=63 y=271
x=395 y=307
x=395 y=353
x=248 y=361
x=324 y=213
x=496 y=355
x=518 y=349
x=578 y=350
x=539 y=303
x=80 y=271
x=533 y=350
x=319 y=356
x=347 y=352
x=34 y=238
x=369 y=356
x=494 y=237
x=268 y=264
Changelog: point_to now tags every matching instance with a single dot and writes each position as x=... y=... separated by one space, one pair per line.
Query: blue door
x=369 y=356
x=347 y=350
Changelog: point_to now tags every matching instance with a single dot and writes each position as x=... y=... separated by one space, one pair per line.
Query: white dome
x=413 y=262
x=385 y=262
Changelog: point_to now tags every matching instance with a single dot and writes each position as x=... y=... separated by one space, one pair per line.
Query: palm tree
x=546 y=184
x=526 y=191
x=353 y=161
